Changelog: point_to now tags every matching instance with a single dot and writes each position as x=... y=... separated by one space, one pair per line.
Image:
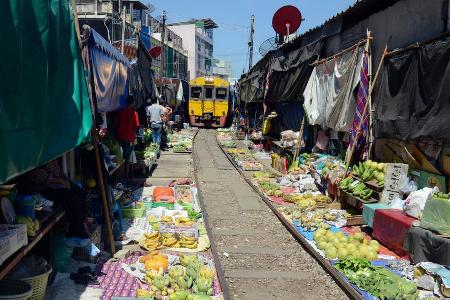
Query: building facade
x=175 y=56
x=105 y=17
x=198 y=40
x=222 y=68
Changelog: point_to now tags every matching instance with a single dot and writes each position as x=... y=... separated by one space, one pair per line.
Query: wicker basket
x=39 y=284
x=131 y=213
x=11 y=289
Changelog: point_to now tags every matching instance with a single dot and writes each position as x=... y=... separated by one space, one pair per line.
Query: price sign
x=392 y=181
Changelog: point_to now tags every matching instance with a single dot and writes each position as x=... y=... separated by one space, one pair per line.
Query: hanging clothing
x=329 y=94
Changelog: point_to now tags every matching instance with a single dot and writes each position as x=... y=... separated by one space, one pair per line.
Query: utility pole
x=163 y=35
x=122 y=48
x=250 y=42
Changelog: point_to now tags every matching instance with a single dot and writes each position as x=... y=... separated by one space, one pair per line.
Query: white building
x=198 y=39
x=222 y=68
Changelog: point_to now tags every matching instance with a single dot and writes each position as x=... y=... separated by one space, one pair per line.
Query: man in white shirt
x=155 y=113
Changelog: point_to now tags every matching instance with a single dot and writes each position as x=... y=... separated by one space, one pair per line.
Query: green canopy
x=44 y=103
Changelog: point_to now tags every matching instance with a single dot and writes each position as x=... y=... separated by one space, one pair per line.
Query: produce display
x=355 y=187
x=338 y=245
x=189 y=278
x=370 y=170
x=180 y=142
x=377 y=281
x=308 y=197
x=157 y=240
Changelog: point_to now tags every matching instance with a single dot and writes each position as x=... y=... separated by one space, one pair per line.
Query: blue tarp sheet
x=110 y=72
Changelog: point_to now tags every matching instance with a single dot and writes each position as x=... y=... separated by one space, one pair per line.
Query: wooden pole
x=97 y=153
x=103 y=193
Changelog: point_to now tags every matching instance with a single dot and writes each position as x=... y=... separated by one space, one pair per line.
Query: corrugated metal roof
x=360 y=10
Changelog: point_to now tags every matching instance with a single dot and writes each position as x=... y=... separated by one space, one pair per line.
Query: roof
x=136 y=4
x=360 y=10
x=95 y=40
x=209 y=23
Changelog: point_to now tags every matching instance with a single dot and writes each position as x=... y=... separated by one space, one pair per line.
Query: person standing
x=166 y=119
x=155 y=113
x=128 y=122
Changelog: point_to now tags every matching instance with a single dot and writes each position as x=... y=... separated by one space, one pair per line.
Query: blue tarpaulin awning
x=109 y=69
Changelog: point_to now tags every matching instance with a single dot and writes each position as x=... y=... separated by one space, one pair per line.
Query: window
x=196 y=92
x=208 y=92
x=221 y=93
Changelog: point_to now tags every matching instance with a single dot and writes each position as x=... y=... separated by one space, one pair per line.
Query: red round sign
x=287 y=20
x=155 y=51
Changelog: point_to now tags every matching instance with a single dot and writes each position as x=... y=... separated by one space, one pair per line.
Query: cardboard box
x=426 y=179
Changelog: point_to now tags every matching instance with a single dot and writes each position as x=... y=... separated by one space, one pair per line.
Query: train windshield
x=209 y=92
x=221 y=93
x=196 y=92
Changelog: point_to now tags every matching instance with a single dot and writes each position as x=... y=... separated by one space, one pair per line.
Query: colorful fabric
x=359 y=130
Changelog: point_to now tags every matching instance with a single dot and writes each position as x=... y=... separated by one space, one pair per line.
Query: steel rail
x=325 y=264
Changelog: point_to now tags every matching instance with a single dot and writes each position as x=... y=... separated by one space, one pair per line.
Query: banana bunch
x=151 y=240
x=166 y=219
x=188 y=242
x=32 y=226
x=184 y=222
x=141 y=293
x=170 y=240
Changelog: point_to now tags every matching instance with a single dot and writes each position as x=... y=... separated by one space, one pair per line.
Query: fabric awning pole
x=95 y=138
x=342 y=52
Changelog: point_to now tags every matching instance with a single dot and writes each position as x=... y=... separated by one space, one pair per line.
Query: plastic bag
x=397 y=203
x=415 y=203
x=407 y=186
x=436 y=215
x=30 y=266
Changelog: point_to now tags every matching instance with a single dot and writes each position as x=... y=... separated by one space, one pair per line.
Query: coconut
x=351 y=248
x=329 y=235
x=322 y=244
x=343 y=239
x=363 y=249
x=342 y=253
x=317 y=235
x=359 y=236
x=371 y=255
x=340 y=234
x=331 y=252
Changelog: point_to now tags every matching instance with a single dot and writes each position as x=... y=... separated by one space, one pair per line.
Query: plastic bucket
x=11 y=289
x=62 y=254
x=24 y=205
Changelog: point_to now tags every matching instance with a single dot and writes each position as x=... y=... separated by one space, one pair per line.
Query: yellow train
x=210 y=102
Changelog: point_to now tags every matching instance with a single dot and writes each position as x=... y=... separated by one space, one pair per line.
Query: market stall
x=324 y=205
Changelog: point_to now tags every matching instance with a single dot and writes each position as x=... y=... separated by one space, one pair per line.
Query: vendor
x=128 y=123
x=167 y=116
x=52 y=184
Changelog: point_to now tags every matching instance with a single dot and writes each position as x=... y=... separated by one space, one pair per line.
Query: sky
x=233 y=19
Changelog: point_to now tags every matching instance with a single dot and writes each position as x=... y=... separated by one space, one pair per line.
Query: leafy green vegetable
x=377 y=281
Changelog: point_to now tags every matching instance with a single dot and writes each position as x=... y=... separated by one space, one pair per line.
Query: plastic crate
x=12 y=238
x=131 y=213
